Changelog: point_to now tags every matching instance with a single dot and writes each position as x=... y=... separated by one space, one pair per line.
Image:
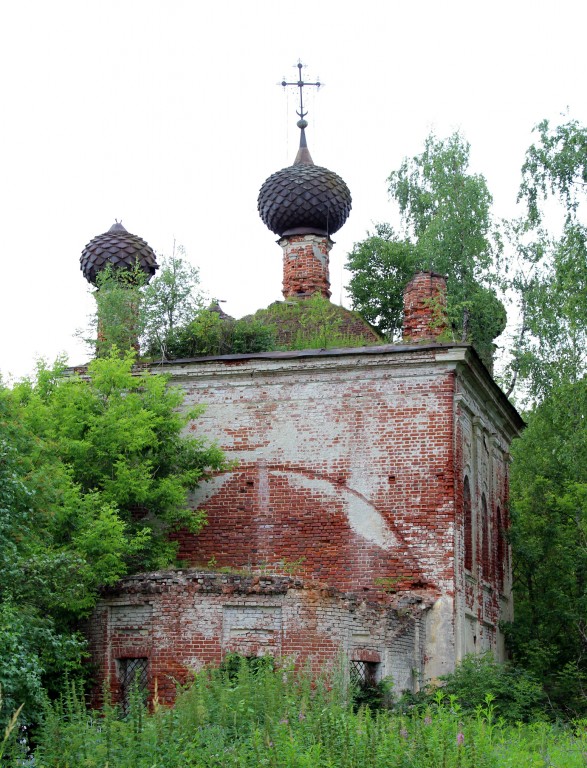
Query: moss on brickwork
x=314 y=323
x=310 y=323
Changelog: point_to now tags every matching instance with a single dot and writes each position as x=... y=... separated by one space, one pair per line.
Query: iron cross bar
x=300 y=84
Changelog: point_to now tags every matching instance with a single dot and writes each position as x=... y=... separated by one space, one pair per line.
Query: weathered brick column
x=305 y=265
x=425 y=307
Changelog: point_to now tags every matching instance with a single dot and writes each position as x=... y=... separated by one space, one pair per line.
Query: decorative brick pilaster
x=305 y=265
x=425 y=307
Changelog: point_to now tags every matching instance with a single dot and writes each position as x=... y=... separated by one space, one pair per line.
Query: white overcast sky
x=166 y=114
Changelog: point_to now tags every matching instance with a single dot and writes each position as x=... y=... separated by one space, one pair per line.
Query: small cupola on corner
x=119 y=249
x=122 y=252
x=304 y=204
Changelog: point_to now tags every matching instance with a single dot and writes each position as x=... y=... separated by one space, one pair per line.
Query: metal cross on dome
x=300 y=84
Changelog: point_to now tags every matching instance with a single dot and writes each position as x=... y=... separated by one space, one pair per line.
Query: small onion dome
x=120 y=249
x=304 y=198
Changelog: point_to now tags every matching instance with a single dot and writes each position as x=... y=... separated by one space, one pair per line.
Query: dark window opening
x=501 y=548
x=468 y=525
x=363 y=674
x=366 y=692
x=133 y=675
x=485 y=550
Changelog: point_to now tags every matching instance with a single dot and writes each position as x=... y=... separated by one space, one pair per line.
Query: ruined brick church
x=365 y=512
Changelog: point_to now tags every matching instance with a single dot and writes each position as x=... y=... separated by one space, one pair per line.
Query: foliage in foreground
x=516 y=695
x=266 y=717
x=94 y=473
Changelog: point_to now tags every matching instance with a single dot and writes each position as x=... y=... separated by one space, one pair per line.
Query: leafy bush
x=314 y=323
x=95 y=472
x=209 y=334
x=515 y=693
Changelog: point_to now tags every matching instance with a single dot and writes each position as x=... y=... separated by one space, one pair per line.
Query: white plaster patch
x=439 y=645
x=363 y=518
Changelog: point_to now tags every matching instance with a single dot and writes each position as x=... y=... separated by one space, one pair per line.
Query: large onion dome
x=120 y=249
x=304 y=198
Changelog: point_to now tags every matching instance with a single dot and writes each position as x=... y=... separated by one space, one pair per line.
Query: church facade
x=365 y=512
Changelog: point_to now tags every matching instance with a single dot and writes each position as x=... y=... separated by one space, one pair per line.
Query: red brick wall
x=425 y=308
x=181 y=621
x=341 y=523
x=485 y=576
x=348 y=474
x=305 y=265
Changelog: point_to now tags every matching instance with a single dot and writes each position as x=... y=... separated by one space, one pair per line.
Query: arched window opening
x=501 y=547
x=485 y=549
x=468 y=525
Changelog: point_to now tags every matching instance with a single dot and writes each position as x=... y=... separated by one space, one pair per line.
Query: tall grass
x=285 y=719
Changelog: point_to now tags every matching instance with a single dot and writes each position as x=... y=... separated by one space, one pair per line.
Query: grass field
x=285 y=719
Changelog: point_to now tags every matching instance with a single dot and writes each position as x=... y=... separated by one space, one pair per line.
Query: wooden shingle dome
x=120 y=249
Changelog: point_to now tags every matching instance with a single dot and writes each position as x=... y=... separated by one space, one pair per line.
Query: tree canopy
x=550 y=276
x=446 y=227
x=549 y=480
x=95 y=472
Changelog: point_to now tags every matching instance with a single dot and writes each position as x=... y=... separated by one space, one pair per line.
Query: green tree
x=446 y=227
x=119 y=435
x=35 y=646
x=119 y=321
x=95 y=472
x=550 y=277
x=172 y=300
x=549 y=363
x=556 y=165
x=549 y=539
x=381 y=266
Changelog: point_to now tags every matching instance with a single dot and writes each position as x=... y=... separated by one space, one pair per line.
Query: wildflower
x=403 y=733
x=427 y=720
x=301 y=717
x=284 y=721
x=460 y=738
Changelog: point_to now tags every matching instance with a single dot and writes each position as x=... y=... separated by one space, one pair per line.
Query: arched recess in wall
x=501 y=549
x=468 y=524
x=485 y=549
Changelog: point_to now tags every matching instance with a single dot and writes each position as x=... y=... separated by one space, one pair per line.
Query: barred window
x=363 y=674
x=133 y=675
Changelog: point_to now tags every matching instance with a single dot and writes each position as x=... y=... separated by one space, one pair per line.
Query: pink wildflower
x=460 y=738
x=403 y=733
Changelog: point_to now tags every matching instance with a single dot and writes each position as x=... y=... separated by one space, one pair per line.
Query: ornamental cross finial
x=300 y=84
